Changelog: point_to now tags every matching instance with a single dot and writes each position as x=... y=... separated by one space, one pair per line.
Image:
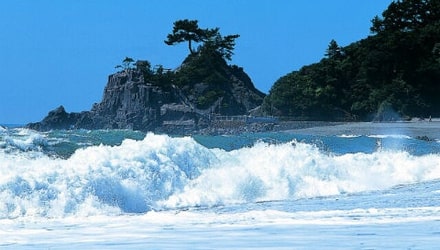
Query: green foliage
x=213 y=42
x=399 y=65
x=206 y=100
x=127 y=63
x=407 y=15
x=333 y=51
x=299 y=95
x=205 y=66
x=157 y=76
x=186 y=30
x=144 y=66
x=223 y=46
x=208 y=69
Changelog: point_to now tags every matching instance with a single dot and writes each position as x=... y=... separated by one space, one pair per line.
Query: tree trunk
x=190 y=47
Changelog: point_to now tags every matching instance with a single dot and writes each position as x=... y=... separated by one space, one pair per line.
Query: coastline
x=300 y=125
x=414 y=128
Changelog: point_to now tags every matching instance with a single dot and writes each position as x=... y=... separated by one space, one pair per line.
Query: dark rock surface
x=56 y=119
x=131 y=103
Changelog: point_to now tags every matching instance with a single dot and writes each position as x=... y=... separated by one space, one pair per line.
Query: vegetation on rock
x=398 y=66
x=204 y=77
x=213 y=41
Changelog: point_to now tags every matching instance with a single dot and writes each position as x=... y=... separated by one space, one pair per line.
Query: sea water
x=355 y=186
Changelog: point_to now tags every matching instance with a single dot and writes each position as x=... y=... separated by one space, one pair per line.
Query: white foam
x=30 y=142
x=20 y=139
x=349 y=136
x=161 y=172
x=101 y=179
x=393 y=136
x=280 y=172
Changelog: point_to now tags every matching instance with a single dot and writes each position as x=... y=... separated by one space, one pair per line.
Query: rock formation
x=130 y=102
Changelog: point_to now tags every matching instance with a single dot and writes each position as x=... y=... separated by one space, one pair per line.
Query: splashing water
x=120 y=189
x=162 y=173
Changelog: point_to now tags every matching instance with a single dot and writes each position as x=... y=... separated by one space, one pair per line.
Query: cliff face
x=131 y=103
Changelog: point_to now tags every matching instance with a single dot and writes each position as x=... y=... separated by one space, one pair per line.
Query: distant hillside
x=396 y=68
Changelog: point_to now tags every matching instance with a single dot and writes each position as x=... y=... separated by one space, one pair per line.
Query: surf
x=160 y=172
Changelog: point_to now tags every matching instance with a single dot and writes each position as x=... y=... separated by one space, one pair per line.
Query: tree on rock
x=224 y=46
x=213 y=42
x=186 y=31
x=127 y=64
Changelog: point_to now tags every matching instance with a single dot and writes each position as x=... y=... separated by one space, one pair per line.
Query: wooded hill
x=396 y=68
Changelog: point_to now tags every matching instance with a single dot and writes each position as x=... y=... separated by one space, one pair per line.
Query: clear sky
x=61 y=52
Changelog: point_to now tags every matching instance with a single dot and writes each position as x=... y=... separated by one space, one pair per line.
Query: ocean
x=347 y=186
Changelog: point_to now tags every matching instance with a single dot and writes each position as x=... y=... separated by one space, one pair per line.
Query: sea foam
x=297 y=170
x=160 y=173
x=99 y=179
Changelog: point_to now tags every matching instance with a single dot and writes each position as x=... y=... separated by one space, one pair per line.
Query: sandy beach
x=415 y=128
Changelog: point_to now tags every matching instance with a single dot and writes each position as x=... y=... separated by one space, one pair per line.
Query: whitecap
x=393 y=136
x=349 y=136
x=267 y=172
x=160 y=172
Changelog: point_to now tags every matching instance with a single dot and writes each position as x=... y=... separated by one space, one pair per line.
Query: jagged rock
x=131 y=103
x=56 y=119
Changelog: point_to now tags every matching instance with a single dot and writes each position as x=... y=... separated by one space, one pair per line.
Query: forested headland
x=396 y=68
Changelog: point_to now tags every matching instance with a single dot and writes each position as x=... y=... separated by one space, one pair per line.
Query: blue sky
x=61 y=52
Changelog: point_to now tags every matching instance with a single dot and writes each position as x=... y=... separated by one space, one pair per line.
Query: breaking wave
x=160 y=172
x=21 y=140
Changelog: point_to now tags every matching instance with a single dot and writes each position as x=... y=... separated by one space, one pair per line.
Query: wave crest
x=298 y=170
x=160 y=172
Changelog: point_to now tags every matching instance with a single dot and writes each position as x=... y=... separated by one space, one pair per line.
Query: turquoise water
x=347 y=186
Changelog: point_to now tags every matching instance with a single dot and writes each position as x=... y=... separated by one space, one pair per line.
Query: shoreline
x=297 y=125
x=413 y=128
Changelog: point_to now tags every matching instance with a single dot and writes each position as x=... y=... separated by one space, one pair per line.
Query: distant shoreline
x=413 y=128
x=295 y=125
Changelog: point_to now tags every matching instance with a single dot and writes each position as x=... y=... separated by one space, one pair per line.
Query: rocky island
x=130 y=102
x=196 y=96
